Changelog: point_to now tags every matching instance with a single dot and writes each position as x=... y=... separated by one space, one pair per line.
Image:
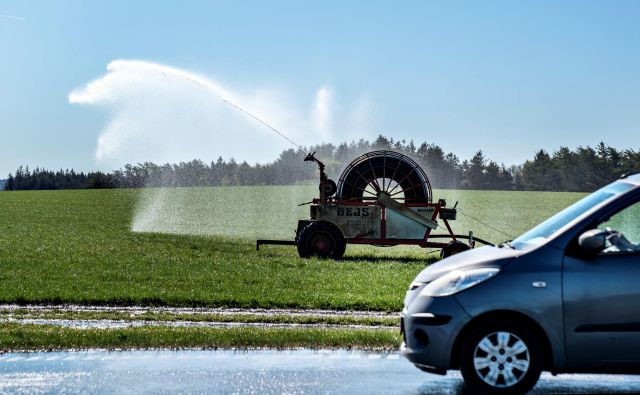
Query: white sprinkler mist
x=164 y=114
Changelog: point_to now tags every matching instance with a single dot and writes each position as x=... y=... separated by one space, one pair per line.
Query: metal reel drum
x=389 y=172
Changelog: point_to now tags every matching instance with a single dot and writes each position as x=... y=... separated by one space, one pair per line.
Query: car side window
x=623 y=231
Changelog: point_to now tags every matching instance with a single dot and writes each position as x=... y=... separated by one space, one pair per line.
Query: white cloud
x=15 y=18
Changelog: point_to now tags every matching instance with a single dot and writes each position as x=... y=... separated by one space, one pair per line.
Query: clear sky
x=507 y=77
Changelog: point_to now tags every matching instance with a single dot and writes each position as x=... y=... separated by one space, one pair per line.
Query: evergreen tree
x=540 y=174
x=11 y=183
x=475 y=172
x=506 y=178
x=492 y=177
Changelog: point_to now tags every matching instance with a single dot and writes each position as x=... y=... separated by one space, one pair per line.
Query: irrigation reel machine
x=382 y=198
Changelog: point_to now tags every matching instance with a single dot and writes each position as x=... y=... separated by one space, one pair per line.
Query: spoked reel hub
x=384 y=172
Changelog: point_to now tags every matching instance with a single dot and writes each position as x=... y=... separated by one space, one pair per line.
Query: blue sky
x=506 y=77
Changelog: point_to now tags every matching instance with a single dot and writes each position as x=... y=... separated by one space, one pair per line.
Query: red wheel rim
x=321 y=243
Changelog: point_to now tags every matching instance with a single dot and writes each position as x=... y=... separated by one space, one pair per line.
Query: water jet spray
x=262 y=122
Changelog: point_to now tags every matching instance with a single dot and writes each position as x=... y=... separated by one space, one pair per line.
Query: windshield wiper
x=507 y=244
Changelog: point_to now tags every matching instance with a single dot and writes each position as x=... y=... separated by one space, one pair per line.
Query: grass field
x=78 y=247
x=15 y=337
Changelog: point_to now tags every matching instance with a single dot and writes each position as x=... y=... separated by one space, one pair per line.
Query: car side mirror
x=592 y=241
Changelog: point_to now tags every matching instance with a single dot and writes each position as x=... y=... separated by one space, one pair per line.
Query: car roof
x=633 y=179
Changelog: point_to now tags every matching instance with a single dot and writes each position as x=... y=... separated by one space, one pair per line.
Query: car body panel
x=530 y=285
x=477 y=257
x=588 y=308
x=434 y=354
x=602 y=308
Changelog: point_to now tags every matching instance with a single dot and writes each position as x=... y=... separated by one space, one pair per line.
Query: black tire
x=453 y=248
x=518 y=368
x=321 y=239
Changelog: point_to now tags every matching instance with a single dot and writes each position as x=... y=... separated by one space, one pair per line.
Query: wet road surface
x=254 y=372
x=119 y=324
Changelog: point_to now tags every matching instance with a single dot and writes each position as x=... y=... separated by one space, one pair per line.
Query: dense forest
x=582 y=169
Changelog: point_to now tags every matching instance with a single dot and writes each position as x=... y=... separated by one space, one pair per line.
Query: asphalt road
x=253 y=372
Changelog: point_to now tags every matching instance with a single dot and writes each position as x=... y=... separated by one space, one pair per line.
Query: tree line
x=582 y=169
x=41 y=179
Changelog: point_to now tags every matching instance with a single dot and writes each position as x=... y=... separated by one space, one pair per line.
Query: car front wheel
x=501 y=357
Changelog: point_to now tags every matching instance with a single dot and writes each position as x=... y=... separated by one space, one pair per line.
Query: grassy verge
x=42 y=337
x=197 y=317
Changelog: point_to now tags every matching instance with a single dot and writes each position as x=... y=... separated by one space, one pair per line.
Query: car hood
x=477 y=257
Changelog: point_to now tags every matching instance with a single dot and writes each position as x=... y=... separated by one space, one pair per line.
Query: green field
x=78 y=247
x=15 y=337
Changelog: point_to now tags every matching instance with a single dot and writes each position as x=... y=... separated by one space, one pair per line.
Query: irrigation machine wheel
x=454 y=247
x=321 y=239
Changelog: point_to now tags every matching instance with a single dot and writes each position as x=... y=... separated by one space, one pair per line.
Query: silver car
x=563 y=297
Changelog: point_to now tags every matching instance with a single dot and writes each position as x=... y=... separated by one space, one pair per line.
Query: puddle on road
x=256 y=371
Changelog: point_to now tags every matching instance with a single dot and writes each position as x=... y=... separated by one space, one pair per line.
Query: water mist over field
x=240 y=211
x=164 y=114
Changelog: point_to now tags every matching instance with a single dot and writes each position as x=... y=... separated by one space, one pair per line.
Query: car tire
x=501 y=357
x=453 y=248
x=321 y=239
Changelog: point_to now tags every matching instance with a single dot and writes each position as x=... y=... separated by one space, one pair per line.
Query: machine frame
x=339 y=214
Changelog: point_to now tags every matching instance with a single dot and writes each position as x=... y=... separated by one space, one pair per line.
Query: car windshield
x=540 y=233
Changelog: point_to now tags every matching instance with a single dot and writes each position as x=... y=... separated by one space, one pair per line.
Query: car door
x=601 y=297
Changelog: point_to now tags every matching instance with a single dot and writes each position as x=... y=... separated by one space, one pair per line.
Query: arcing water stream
x=165 y=114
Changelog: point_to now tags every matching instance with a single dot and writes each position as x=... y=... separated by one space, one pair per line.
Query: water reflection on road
x=253 y=372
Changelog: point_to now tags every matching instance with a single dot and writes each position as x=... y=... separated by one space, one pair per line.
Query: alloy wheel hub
x=501 y=359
